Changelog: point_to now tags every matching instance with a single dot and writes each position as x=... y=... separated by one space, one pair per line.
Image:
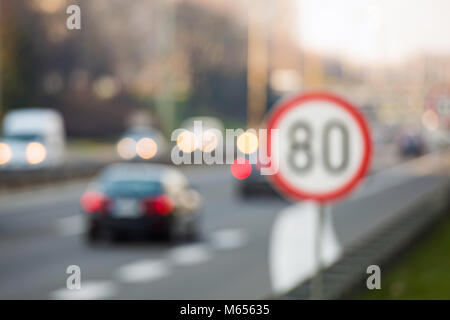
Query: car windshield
x=24 y=137
x=133 y=188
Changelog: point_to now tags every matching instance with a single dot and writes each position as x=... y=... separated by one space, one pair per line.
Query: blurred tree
x=98 y=75
x=216 y=48
x=17 y=70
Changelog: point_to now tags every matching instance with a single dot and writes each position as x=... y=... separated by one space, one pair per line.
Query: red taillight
x=95 y=202
x=161 y=205
x=241 y=168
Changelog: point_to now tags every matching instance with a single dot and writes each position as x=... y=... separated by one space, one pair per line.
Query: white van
x=32 y=138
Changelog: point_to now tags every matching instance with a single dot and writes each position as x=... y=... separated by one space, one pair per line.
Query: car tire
x=170 y=234
x=193 y=232
x=246 y=191
x=93 y=235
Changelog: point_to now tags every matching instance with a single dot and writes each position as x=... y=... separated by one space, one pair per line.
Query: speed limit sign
x=324 y=147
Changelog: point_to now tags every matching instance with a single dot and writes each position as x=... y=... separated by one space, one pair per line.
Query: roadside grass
x=422 y=273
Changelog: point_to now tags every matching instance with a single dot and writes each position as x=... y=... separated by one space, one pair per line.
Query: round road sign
x=324 y=147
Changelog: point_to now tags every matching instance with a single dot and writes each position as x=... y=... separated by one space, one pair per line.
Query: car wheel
x=93 y=235
x=245 y=191
x=193 y=232
x=167 y=235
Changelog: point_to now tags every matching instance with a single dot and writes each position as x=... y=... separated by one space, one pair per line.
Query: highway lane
x=41 y=234
x=35 y=253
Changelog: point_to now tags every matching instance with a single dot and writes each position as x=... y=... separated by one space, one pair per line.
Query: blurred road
x=41 y=233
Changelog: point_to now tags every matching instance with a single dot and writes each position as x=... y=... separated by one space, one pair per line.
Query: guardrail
x=380 y=248
x=384 y=242
x=13 y=179
x=18 y=179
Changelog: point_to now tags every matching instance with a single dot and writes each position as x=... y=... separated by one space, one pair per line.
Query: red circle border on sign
x=285 y=106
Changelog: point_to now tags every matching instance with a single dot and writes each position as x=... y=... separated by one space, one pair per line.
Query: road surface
x=42 y=233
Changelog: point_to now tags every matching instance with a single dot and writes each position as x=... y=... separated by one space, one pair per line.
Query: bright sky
x=375 y=30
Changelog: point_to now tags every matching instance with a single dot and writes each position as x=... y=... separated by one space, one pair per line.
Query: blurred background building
x=174 y=59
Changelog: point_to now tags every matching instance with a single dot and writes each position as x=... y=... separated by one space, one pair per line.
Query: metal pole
x=316 y=287
x=257 y=62
x=165 y=42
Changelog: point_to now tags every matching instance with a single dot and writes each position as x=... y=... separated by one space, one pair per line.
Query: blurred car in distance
x=207 y=141
x=255 y=184
x=411 y=144
x=32 y=138
x=142 y=143
x=144 y=200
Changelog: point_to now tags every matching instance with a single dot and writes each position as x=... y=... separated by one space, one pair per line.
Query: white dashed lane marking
x=72 y=225
x=143 y=270
x=90 y=290
x=187 y=255
x=228 y=239
x=146 y=270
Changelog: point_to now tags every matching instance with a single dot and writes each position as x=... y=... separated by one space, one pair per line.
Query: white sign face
x=324 y=147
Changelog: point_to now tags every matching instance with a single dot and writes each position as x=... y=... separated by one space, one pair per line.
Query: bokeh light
x=187 y=141
x=126 y=148
x=241 y=168
x=247 y=142
x=53 y=83
x=35 y=152
x=430 y=120
x=49 y=6
x=93 y=201
x=146 y=148
x=5 y=153
x=209 y=141
x=105 y=87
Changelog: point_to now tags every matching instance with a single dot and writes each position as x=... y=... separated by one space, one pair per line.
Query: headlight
x=187 y=141
x=247 y=142
x=5 y=153
x=126 y=148
x=146 y=148
x=209 y=141
x=35 y=153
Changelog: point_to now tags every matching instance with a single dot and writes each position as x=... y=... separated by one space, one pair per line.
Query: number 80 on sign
x=323 y=147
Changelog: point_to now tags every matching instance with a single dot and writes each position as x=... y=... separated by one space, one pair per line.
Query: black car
x=141 y=199
x=255 y=184
x=411 y=144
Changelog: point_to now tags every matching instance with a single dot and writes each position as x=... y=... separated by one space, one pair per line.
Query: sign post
x=323 y=151
x=317 y=283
